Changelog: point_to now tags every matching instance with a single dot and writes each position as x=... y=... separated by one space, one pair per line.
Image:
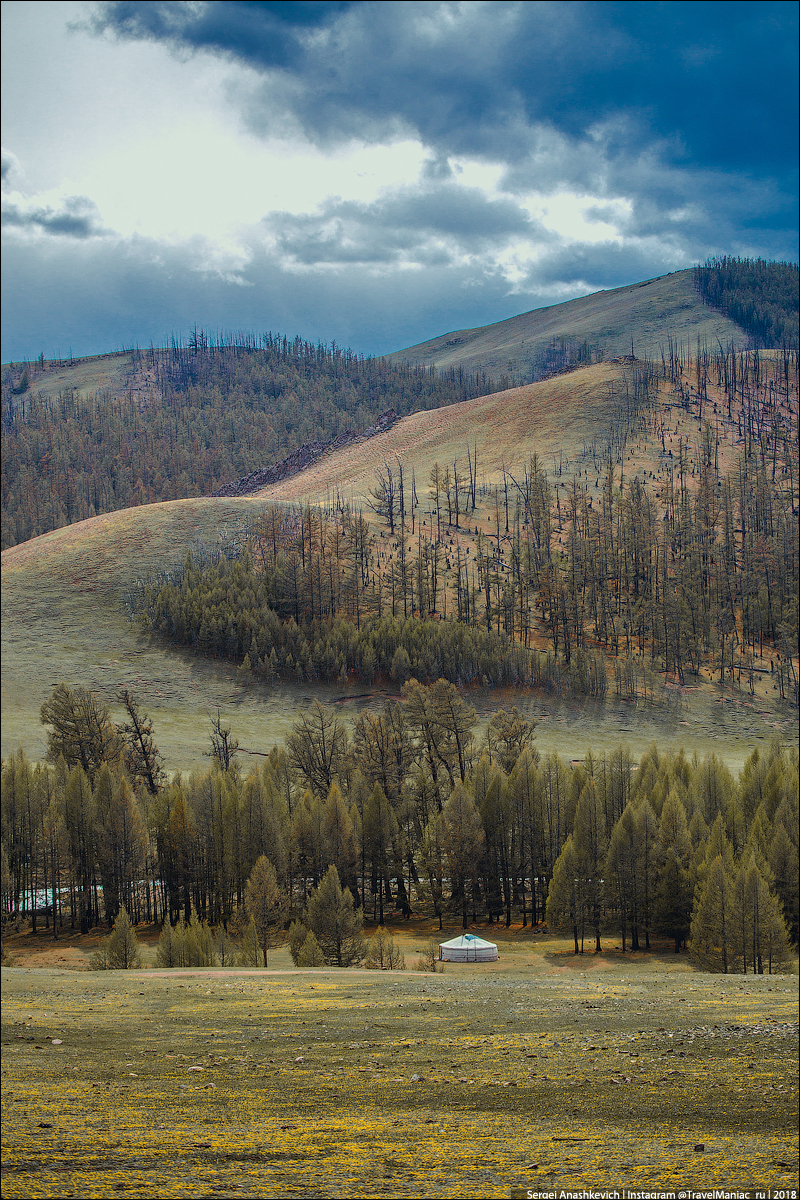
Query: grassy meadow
x=542 y=1071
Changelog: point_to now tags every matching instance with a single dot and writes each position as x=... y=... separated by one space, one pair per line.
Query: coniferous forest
x=697 y=572
x=759 y=296
x=414 y=815
x=609 y=581
x=199 y=416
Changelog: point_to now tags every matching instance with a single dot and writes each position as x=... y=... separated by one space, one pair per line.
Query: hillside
x=556 y=418
x=92 y=436
x=64 y=593
x=88 y=436
x=644 y=315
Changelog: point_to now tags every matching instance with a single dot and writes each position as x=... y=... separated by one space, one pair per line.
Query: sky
x=376 y=174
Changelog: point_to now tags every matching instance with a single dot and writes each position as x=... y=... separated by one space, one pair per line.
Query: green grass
x=539 y=1071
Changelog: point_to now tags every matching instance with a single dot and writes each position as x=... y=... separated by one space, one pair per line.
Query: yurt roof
x=469 y=941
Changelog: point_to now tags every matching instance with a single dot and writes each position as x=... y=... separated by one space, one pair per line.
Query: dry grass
x=556 y=416
x=63 y=593
x=538 y=1071
x=642 y=313
x=86 y=376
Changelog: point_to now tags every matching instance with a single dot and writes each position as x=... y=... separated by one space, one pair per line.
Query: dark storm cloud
x=262 y=35
x=713 y=82
x=77 y=218
x=592 y=267
x=400 y=226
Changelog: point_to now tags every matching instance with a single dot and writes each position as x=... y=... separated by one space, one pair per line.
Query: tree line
x=760 y=296
x=195 y=417
x=414 y=814
x=698 y=567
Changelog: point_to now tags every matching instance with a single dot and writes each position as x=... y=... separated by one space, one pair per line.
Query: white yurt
x=468 y=948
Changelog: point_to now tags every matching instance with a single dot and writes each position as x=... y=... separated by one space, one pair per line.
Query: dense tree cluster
x=263 y=620
x=195 y=418
x=411 y=813
x=759 y=296
x=698 y=567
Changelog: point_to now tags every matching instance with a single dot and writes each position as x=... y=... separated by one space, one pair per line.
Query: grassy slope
x=86 y=376
x=540 y=1071
x=556 y=414
x=642 y=312
x=63 y=593
x=64 y=616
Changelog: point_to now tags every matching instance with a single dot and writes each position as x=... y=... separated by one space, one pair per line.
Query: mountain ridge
x=647 y=312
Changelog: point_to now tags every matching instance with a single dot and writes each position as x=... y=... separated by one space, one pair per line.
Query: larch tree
x=464 y=841
x=264 y=903
x=590 y=844
x=339 y=836
x=317 y=747
x=761 y=934
x=142 y=758
x=673 y=901
x=566 y=897
x=714 y=920
x=335 y=922
x=380 y=830
x=81 y=729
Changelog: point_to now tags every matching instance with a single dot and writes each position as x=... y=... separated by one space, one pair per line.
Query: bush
x=250 y=954
x=120 y=951
x=382 y=952
x=311 y=953
x=429 y=958
x=297 y=936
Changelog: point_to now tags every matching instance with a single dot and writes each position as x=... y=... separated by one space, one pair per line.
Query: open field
x=542 y=1070
x=640 y=313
